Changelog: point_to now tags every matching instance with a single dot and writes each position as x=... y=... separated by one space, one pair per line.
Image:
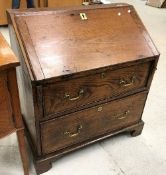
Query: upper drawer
x=71 y=94
x=93 y=122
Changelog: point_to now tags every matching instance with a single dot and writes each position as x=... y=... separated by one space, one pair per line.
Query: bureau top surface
x=7 y=57
x=59 y=42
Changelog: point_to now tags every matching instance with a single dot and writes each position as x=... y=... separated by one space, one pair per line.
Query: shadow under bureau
x=85 y=75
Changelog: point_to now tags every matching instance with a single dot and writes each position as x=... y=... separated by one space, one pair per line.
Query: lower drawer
x=79 y=126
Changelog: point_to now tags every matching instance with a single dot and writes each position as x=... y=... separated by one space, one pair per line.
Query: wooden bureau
x=85 y=75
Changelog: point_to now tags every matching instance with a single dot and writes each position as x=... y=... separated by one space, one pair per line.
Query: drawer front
x=86 y=124
x=69 y=95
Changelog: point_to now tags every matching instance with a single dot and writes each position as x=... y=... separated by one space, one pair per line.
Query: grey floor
x=120 y=155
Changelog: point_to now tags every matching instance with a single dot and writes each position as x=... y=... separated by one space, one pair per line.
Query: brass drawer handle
x=70 y=134
x=80 y=94
x=122 y=115
x=127 y=82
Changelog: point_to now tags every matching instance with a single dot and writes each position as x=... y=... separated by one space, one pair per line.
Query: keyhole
x=83 y=16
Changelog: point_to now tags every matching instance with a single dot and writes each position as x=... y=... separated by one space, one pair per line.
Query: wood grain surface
x=73 y=45
x=81 y=80
x=91 y=122
x=66 y=95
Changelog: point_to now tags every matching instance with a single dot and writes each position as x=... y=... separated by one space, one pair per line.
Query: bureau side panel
x=26 y=91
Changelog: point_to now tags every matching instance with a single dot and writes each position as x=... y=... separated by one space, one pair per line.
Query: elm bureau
x=10 y=113
x=85 y=75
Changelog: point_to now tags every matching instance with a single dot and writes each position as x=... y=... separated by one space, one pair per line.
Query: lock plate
x=83 y=16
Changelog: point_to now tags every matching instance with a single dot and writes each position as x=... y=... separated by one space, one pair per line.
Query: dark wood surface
x=80 y=126
x=10 y=113
x=27 y=91
x=66 y=95
x=60 y=52
x=77 y=74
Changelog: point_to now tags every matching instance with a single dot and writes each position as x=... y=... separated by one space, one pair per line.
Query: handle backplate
x=127 y=81
x=121 y=116
x=74 y=134
x=80 y=94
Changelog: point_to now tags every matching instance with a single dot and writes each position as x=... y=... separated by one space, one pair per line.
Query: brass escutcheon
x=83 y=16
x=100 y=109
x=103 y=75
